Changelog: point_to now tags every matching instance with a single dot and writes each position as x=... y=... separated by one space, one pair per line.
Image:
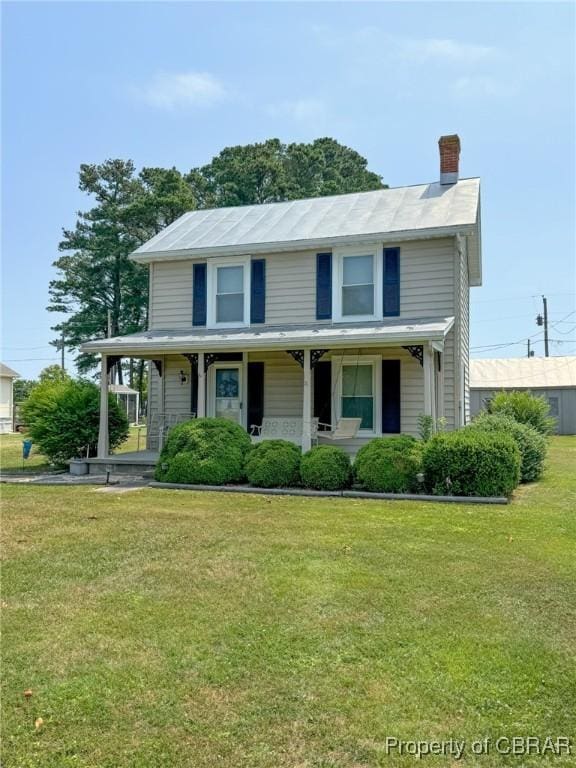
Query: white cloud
x=443 y=49
x=174 y=90
x=300 y=110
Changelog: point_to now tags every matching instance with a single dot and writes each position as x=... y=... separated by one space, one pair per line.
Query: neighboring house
x=7 y=376
x=354 y=305
x=551 y=377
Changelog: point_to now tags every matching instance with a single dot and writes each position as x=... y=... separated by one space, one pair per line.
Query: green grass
x=165 y=628
x=11 y=452
x=11 y=455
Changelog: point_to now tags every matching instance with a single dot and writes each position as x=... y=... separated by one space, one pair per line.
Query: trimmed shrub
x=531 y=443
x=326 y=468
x=389 y=464
x=204 y=452
x=471 y=462
x=525 y=408
x=274 y=464
x=63 y=419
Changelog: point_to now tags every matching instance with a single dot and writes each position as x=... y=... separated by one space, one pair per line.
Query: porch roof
x=389 y=332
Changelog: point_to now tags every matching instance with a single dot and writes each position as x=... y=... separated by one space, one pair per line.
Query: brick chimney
x=449 y=158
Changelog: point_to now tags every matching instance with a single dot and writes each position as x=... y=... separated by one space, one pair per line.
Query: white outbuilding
x=7 y=376
x=551 y=377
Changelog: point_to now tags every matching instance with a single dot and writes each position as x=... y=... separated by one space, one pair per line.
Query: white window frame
x=368 y=249
x=211 y=286
x=376 y=362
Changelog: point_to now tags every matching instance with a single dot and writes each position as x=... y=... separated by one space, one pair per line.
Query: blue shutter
x=323 y=391
x=323 y=286
x=255 y=393
x=199 y=294
x=258 y=291
x=391 y=397
x=391 y=286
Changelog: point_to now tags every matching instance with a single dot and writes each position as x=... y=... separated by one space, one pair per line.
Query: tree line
x=98 y=288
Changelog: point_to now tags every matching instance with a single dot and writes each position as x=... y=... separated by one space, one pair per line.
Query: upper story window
x=228 y=293
x=357 y=285
x=356 y=289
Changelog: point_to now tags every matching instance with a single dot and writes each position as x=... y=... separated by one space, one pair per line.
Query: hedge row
x=488 y=458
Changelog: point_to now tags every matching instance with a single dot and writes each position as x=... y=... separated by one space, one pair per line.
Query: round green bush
x=532 y=444
x=326 y=468
x=389 y=464
x=525 y=408
x=63 y=419
x=274 y=464
x=204 y=452
x=471 y=462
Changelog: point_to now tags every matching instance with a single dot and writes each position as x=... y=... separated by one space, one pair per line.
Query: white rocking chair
x=344 y=429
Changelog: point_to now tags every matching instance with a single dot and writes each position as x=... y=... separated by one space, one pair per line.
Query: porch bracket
x=111 y=362
x=191 y=357
x=158 y=366
x=209 y=358
x=417 y=352
x=298 y=355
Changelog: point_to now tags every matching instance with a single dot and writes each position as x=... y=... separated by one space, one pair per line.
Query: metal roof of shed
x=523 y=373
x=426 y=210
x=275 y=337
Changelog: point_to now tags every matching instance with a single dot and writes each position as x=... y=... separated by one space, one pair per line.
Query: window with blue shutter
x=199 y=294
x=323 y=286
x=391 y=292
x=391 y=397
x=258 y=291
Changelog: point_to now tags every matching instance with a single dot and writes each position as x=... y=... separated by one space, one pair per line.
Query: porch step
x=137 y=463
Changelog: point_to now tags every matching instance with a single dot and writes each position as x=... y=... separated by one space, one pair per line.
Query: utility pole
x=62 y=365
x=545 y=303
x=530 y=351
x=543 y=320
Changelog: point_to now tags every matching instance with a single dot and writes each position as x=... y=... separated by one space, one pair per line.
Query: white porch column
x=103 y=445
x=201 y=409
x=307 y=404
x=428 y=363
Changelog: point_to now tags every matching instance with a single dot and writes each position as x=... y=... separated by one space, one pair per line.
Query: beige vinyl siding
x=427 y=278
x=171 y=295
x=462 y=333
x=283 y=383
x=427 y=282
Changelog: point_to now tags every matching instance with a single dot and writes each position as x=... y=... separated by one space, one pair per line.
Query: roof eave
x=301 y=245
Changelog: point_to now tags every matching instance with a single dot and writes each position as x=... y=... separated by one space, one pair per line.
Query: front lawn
x=11 y=451
x=165 y=628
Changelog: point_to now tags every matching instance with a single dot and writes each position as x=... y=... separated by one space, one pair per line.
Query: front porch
x=385 y=376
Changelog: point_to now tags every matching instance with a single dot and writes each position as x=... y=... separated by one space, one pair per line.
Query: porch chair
x=344 y=429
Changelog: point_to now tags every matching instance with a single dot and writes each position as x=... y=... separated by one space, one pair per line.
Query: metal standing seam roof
x=418 y=211
x=8 y=372
x=279 y=337
x=523 y=373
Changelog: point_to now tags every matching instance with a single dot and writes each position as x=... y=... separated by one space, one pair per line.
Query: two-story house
x=354 y=305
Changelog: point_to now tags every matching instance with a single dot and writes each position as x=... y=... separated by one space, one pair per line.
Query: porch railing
x=159 y=424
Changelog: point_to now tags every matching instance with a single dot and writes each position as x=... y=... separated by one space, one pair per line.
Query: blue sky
x=171 y=84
